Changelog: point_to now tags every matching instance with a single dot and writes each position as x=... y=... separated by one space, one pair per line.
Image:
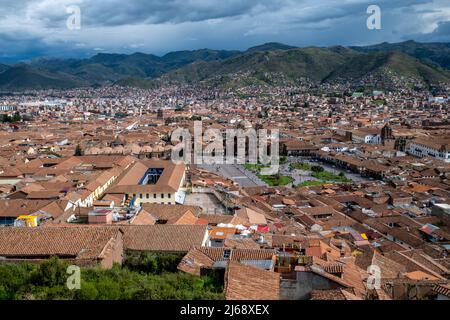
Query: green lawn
x=274 y=180
x=300 y=166
x=322 y=176
x=331 y=177
x=254 y=166
x=258 y=166
x=311 y=183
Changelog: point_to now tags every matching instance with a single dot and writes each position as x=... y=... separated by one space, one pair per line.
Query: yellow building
x=150 y=181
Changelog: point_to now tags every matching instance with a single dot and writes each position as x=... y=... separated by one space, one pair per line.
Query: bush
x=48 y=282
x=154 y=263
x=13 y=279
x=87 y=291
x=50 y=273
x=317 y=169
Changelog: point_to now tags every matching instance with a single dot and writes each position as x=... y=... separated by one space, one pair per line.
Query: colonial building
x=151 y=181
x=433 y=147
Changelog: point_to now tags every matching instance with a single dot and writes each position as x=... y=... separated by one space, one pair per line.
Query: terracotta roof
x=166 y=238
x=18 y=207
x=389 y=268
x=216 y=218
x=221 y=232
x=170 y=213
x=443 y=289
x=78 y=243
x=216 y=254
x=420 y=275
x=278 y=240
x=44 y=194
x=241 y=243
x=251 y=216
x=169 y=181
x=245 y=282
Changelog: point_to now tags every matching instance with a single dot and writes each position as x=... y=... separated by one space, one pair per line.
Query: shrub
x=317 y=169
x=48 y=281
x=154 y=263
x=50 y=273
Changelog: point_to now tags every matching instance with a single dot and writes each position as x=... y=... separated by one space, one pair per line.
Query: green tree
x=16 y=117
x=50 y=273
x=47 y=281
x=317 y=169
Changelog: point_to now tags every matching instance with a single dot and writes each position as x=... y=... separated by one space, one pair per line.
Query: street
x=235 y=172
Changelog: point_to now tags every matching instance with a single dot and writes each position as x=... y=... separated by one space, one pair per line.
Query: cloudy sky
x=37 y=28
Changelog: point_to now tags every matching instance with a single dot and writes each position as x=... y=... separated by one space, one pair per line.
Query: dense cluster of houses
x=90 y=180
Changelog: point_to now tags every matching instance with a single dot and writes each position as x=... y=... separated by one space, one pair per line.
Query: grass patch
x=276 y=180
x=255 y=166
x=331 y=177
x=258 y=166
x=311 y=183
x=300 y=166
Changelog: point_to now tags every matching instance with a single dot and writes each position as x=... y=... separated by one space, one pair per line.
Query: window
x=170 y=203
x=162 y=195
x=147 y=196
x=169 y=195
x=154 y=196
x=140 y=196
x=226 y=254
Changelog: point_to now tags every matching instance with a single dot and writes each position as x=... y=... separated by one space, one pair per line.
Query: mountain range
x=267 y=64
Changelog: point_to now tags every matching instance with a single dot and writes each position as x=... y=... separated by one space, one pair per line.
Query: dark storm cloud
x=126 y=12
x=440 y=34
x=38 y=27
x=123 y=12
x=118 y=12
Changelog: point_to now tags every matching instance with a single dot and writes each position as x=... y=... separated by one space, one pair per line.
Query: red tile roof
x=245 y=282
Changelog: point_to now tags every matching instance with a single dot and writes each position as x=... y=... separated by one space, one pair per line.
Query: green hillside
x=20 y=78
x=395 y=63
x=435 y=53
x=270 y=64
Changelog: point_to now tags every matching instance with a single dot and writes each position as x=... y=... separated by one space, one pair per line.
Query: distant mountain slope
x=316 y=64
x=106 y=68
x=271 y=46
x=21 y=77
x=182 y=58
x=436 y=53
x=291 y=65
x=385 y=63
x=267 y=64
